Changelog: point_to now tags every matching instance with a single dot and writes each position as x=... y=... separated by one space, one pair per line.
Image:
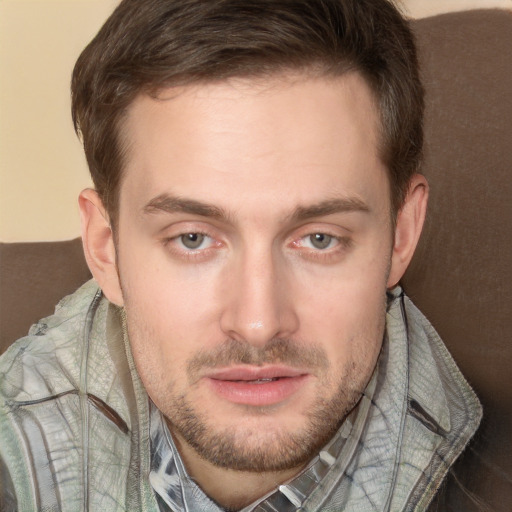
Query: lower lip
x=258 y=393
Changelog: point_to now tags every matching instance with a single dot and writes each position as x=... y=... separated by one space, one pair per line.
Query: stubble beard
x=261 y=450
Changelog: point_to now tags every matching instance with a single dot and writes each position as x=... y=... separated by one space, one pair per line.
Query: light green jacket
x=74 y=419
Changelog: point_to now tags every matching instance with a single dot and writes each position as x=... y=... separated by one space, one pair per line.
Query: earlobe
x=409 y=224
x=98 y=242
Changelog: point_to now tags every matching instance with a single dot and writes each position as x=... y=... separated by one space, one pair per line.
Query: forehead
x=238 y=142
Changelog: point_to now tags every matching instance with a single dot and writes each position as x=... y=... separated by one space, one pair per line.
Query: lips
x=251 y=385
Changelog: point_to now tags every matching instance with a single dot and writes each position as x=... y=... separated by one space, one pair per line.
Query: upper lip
x=254 y=372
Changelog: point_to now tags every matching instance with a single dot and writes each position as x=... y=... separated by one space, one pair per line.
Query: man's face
x=254 y=247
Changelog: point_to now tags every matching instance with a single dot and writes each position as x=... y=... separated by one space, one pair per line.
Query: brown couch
x=461 y=276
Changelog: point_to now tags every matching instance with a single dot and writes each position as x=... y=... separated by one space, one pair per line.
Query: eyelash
x=191 y=254
x=343 y=244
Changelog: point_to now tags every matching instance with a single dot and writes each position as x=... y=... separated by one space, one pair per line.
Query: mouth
x=257 y=386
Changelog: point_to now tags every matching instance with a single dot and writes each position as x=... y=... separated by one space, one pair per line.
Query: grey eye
x=192 y=240
x=320 y=240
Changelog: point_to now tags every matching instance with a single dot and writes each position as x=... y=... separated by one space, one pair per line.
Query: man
x=245 y=344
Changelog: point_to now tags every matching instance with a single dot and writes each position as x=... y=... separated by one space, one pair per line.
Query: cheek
x=345 y=311
x=171 y=307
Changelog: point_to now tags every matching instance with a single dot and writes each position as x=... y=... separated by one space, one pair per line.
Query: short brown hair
x=147 y=45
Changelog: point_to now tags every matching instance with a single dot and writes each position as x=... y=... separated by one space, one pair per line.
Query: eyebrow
x=330 y=207
x=172 y=204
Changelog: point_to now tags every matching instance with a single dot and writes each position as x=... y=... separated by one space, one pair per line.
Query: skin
x=280 y=184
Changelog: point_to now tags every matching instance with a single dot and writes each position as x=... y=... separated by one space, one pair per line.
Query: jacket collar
x=419 y=417
x=415 y=417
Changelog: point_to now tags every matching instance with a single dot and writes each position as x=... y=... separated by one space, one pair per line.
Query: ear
x=409 y=224
x=98 y=242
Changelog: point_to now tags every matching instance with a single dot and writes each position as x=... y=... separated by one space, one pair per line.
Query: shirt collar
x=171 y=482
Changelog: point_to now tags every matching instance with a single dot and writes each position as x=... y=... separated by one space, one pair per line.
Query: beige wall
x=423 y=8
x=41 y=163
x=42 y=167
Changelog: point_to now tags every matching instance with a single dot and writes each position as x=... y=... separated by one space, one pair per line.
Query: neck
x=232 y=490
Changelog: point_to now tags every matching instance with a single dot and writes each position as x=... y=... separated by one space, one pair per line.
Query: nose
x=259 y=304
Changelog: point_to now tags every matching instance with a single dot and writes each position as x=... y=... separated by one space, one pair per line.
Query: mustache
x=278 y=350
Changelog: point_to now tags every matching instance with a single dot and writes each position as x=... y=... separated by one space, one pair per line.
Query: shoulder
x=46 y=361
x=436 y=381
